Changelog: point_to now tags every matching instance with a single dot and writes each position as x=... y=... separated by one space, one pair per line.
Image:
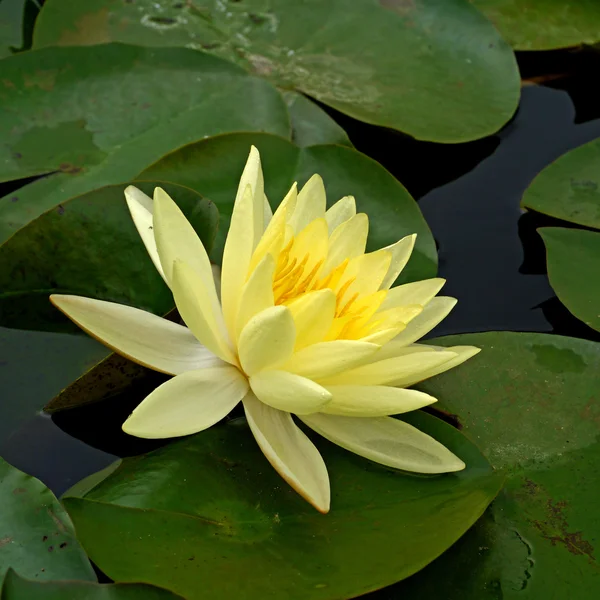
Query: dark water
x=489 y=251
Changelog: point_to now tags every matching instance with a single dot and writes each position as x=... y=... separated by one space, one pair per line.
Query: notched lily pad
x=532 y=403
x=437 y=70
x=190 y=514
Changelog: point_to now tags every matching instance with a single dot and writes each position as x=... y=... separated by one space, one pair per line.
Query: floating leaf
x=436 y=70
x=213 y=167
x=532 y=403
x=544 y=24
x=89 y=246
x=11 y=20
x=311 y=125
x=574 y=270
x=92 y=117
x=36 y=535
x=569 y=188
x=190 y=514
x=17 y=588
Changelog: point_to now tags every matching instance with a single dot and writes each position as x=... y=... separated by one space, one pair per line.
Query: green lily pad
x=531 y=402
x=17 y=588
x=189 y=515
x=91 y=117
x=311 y=125
x=437 y=70
x=569 y=189
x=36 y=535
x=213 y=167
x=544 y=24
x=89 y=246
x=573 y=270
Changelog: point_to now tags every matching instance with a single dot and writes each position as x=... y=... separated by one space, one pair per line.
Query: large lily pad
x=574 y=269
x=91 y=117
x=207 y=517
x=89 y=246
x=531 y=402
x=544 y=24
x=17 y=588
x=569 y=188
x=36 y=535
x=213 y=167
x=437 y=70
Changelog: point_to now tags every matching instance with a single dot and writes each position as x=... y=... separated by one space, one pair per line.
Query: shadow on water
x=489 y=252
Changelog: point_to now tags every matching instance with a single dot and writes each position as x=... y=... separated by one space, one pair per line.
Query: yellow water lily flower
x=306 y=324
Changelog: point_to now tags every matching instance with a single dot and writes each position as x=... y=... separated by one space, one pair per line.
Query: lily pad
x=574 y=269
x=189 y=515
x=36 y=535
x=17 y=588
x=532 y=404
x=544 y=24
x=569 y=189
x=437 y=70
x=90 y=117
x=11 y=22
x=89 y=246
x=213 y=167
x=311 y=125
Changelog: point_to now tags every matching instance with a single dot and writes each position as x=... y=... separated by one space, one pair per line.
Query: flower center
x=299 y=274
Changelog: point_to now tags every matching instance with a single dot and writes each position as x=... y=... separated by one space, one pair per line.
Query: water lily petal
x=313 y=315
x=417 y=292
x=138 y=335
x=387 y=441
x=187 y=403
x=289 y=451
x=289 y=392
x=252 y=176
x=347 y=241
x=194 y=302
x=257 y=293
x=272 y=240
x=401 y=252
x=310 y=204
x=341 y=211
x=311 y=245
x=433 y=313
x=267 y=339
x=237 y=254
x=326 y=359
x=463 y=353
x=141 y=208
x=366 y=273
x=391 y=370
x=374 y=400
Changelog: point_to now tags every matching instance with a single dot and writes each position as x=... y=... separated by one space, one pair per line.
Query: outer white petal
x=394 y=370
x=289 y=451
x=433 y=313
x=387 y=441
x=374 y=400
x=463 y=353
x=267 y=340
x=326 y=359
x=401 y=252
x=193 y=301
x=188 y=403
x=139 y=335
x=417 y=292
x=339 y=212
x=141 y=207
x=289 y=392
